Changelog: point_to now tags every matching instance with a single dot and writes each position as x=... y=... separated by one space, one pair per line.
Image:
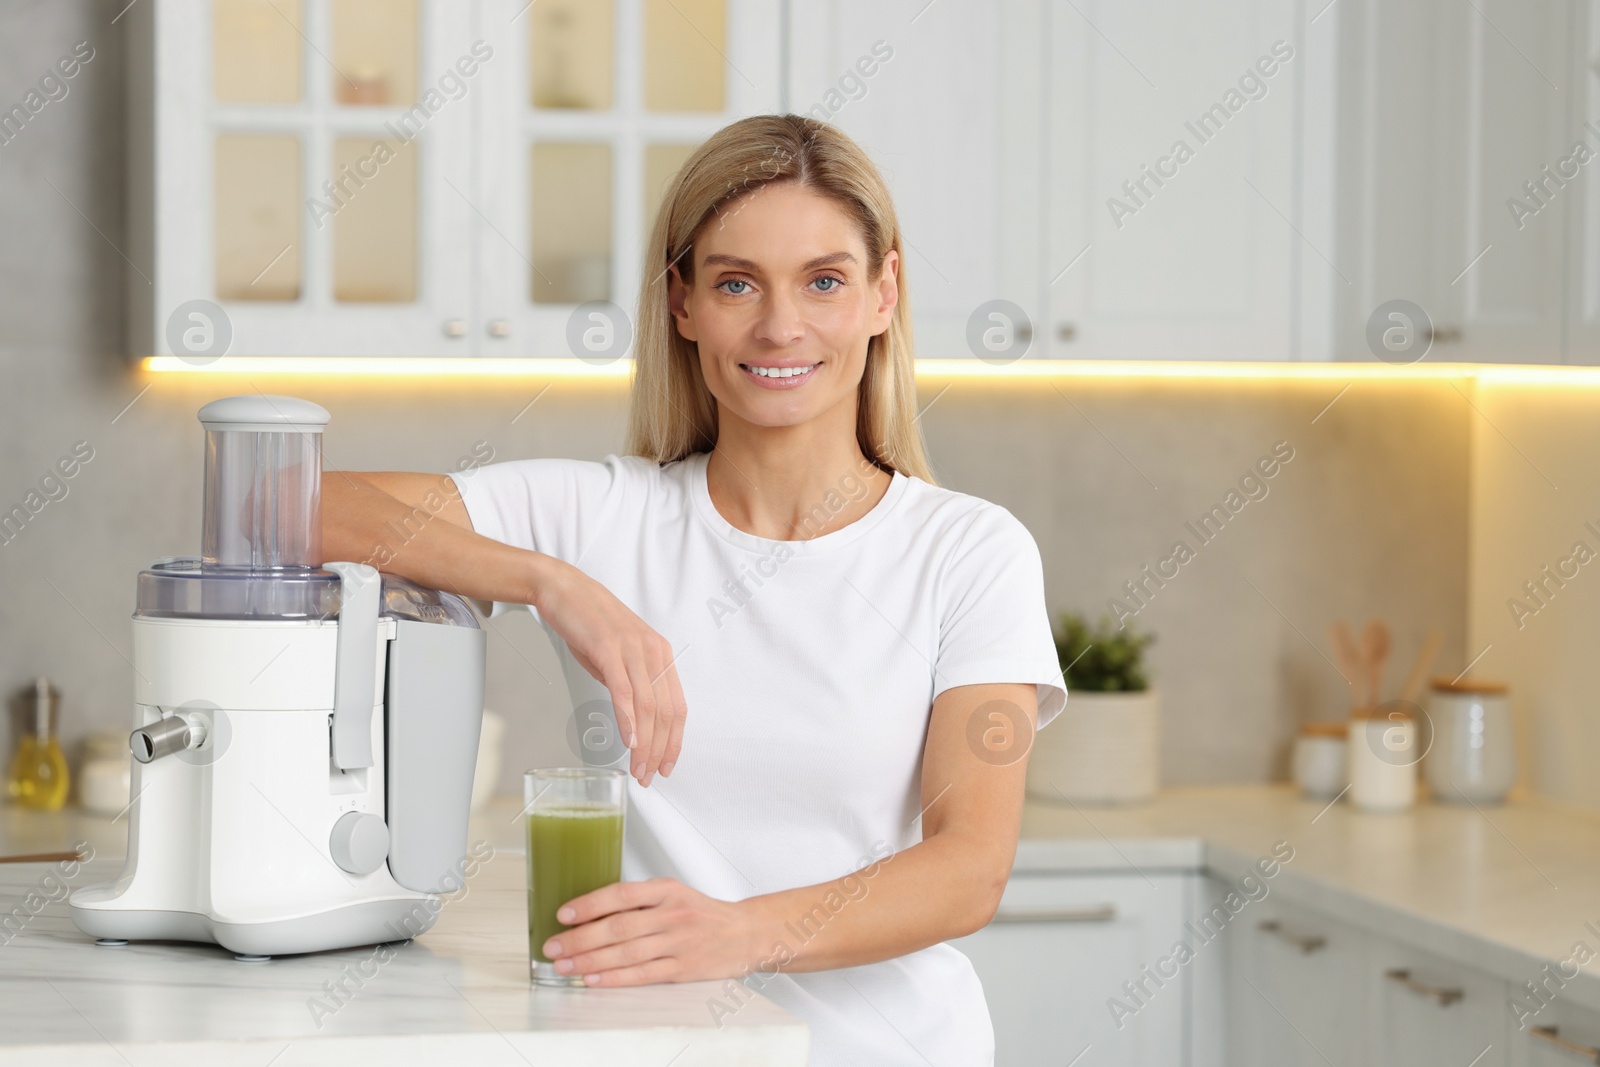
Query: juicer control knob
x=359 y=842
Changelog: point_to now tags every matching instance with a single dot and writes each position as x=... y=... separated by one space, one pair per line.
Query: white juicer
x=305 y=738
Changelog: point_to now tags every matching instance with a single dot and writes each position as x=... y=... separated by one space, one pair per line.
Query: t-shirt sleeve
x=553 y=506
x=994 y=626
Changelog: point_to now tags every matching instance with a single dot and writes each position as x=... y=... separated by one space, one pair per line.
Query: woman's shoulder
x=963 y=522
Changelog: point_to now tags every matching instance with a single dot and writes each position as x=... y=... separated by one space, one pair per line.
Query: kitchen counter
x=458 y=994
x=1503 y=889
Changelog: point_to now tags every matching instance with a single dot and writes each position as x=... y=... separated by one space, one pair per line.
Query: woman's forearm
x=364 y=524
x=944 y=887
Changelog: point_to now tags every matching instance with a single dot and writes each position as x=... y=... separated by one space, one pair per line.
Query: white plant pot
x=1103 y=748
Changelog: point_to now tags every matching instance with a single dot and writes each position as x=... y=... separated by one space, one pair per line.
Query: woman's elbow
x=984 y=900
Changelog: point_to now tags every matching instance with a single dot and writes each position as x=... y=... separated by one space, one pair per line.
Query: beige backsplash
x=1369 y=516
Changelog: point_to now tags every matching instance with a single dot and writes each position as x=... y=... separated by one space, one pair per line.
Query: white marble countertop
x=1503 y=889
x=458 y=994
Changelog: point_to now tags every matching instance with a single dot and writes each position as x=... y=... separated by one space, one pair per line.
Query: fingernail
x=553 y=948
x=566 y=915
x=666 y=768
x=646 y=779
x=633 y=739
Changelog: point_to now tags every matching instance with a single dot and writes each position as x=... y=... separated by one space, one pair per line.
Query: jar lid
x=1466 y=685
x=1394 y=709
x=107 y=744
x=1325 y=729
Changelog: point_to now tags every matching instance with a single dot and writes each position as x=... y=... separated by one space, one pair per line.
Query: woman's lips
x=774 y=377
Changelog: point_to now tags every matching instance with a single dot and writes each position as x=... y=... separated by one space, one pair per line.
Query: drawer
x=1425 y=1009
x=1558 y=1034
x=1064 y=950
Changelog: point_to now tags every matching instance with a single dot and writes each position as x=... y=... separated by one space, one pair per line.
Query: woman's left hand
x=659 y=930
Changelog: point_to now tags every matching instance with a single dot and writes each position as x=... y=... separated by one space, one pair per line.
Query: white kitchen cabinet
x=1180 y=220
x=1425 y=1010
x=1006 y=129
x=1447 y=112
x=1581 y=195
x=946 y=99
x=1558 y=1035
x=611 y=158
x=1060 y=952
x=413 y=177
x=1296 y=980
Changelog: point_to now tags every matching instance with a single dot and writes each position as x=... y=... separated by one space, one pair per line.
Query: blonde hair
x=672 y=413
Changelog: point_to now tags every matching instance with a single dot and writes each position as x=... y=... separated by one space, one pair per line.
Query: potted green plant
x=1105 y=746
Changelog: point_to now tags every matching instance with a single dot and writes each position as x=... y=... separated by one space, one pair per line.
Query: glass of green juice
x=574 y=817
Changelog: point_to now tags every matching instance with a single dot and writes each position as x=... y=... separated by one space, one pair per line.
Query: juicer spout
x=175 y=733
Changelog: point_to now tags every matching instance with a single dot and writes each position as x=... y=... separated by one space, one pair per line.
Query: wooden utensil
x=1419 y=670
x=1344 y=647
x=1377 y=641
x=44 y=857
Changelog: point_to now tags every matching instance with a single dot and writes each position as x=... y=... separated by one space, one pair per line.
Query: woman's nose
x=780 y=322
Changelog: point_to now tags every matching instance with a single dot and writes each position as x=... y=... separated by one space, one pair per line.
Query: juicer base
x=370 y=922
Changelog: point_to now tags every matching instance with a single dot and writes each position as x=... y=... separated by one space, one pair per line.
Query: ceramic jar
x=1473 y=757
x=1381 y=758
x=1317 y=762
x=105 y=780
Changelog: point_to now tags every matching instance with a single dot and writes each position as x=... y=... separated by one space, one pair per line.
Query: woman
x=851 y=659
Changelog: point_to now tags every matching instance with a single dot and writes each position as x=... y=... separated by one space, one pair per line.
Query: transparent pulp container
x=261 y=539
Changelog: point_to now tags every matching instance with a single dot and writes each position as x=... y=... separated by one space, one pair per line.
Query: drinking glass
x=574 y=817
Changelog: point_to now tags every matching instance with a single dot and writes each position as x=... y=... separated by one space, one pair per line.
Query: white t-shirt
x=809 y=669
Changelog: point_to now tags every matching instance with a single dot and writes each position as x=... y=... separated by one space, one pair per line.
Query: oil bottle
x=39 y=776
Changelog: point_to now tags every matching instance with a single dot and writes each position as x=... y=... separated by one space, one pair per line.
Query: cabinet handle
x=499 y=327
x=455 y=327
x=1104 y=913
x=1306 y=943
x=1548 y=1033
x=1440 y=994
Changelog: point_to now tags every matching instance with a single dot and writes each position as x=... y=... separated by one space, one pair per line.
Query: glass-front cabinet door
x=594 y=107
x=304 y=154
x=415 y=177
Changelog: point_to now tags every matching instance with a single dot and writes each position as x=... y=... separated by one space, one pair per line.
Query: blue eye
x=828 y=278
x=733 y=281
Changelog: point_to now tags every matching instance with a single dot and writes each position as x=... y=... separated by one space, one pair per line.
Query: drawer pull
x=1548 y=1033
x=1104 y=913
x=1443 y=996
x=1306 y=943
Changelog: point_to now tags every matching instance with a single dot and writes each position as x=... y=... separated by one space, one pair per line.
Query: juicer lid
x=261 y=413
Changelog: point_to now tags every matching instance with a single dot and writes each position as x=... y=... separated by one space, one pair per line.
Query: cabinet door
x=1297 y=980
x=1554 y=1035
x=589 y=109
x=1425 y=1010
x=1456 y=124
x=294 y=162
x=1583 y=192
x=1170 y=200
x=1063 y=951
x=946 y=99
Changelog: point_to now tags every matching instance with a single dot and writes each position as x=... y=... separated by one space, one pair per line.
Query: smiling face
x=781 y=307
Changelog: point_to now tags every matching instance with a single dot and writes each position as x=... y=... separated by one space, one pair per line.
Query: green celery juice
x=571 y=851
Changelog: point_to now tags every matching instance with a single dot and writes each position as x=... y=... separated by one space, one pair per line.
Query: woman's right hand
x=625 y=655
